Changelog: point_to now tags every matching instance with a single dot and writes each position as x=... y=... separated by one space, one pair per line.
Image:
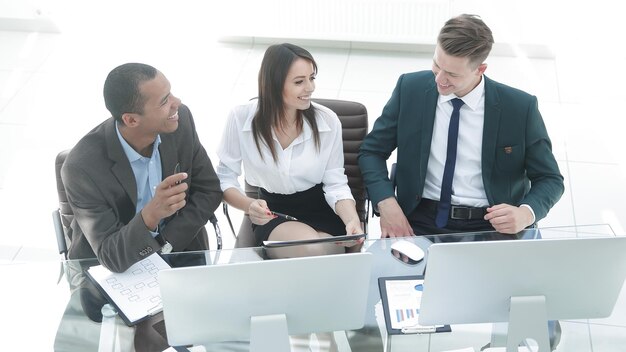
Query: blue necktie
x=443 y=210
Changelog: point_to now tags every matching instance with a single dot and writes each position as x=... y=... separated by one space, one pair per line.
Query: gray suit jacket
x=518 y=166
x=102 y=193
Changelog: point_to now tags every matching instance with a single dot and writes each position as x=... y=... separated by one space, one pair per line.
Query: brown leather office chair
x=353 y=117
x=63 y=216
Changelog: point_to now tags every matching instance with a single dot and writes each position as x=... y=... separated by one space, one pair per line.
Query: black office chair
x=353 y=117
x=63 y=216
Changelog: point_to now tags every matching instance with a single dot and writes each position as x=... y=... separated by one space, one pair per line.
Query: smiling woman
x=292 y=150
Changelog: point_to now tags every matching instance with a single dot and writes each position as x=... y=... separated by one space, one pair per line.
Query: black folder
x=382 y=285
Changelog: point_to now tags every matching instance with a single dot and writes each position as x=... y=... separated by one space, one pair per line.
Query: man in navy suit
x=505 y=177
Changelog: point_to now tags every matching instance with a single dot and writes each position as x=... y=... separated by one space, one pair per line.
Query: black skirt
x=309 y=207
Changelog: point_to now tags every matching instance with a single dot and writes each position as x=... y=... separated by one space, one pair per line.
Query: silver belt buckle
x=454 y=208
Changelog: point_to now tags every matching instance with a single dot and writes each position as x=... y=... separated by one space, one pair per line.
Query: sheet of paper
x=136 y=291
x=403 y=298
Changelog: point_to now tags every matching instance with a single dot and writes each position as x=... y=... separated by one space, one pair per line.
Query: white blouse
x=299 y=167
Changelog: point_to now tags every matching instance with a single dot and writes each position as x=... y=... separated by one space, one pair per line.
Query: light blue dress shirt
x=148 y=171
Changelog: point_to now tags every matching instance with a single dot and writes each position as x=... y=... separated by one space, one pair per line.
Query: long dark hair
x=275 y=66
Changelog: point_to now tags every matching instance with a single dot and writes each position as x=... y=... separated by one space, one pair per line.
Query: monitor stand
x=269 y=333
x=527 y=319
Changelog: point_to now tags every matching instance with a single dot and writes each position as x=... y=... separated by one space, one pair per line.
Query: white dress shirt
x=467 y=184
x=299 y=167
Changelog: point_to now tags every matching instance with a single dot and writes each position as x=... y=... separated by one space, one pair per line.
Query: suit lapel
x=167 y=151
x=169 y=158
x=121 y=166
x=428 y=122
x=490 y=132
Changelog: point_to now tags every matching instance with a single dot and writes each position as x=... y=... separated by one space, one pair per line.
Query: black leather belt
x=457 y=212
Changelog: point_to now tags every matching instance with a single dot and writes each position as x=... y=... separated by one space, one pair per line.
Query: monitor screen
x=523 y=282
x=215 y=303
x=473 y=282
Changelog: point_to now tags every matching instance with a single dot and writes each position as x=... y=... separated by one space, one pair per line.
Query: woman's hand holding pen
x=259 y=212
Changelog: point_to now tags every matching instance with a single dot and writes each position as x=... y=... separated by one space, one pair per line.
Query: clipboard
x=409 y=312
x=343 y=238
x=135 y=293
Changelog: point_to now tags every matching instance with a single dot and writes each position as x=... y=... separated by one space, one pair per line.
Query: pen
x=177 y=170
x=284 y=216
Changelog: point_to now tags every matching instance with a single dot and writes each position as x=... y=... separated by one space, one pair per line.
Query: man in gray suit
x=141 y=181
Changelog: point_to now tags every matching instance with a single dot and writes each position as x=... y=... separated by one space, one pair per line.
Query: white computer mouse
x=409 y=249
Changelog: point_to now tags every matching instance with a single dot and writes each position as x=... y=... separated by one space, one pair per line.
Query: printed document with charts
x=134 y=293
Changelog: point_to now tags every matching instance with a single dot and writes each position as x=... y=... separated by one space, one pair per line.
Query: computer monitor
x=523 y=282
x=265 y=301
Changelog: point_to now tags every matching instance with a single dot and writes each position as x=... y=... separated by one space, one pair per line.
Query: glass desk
x=42 y=304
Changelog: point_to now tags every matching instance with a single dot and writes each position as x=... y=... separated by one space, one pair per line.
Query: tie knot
x=457 y=103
